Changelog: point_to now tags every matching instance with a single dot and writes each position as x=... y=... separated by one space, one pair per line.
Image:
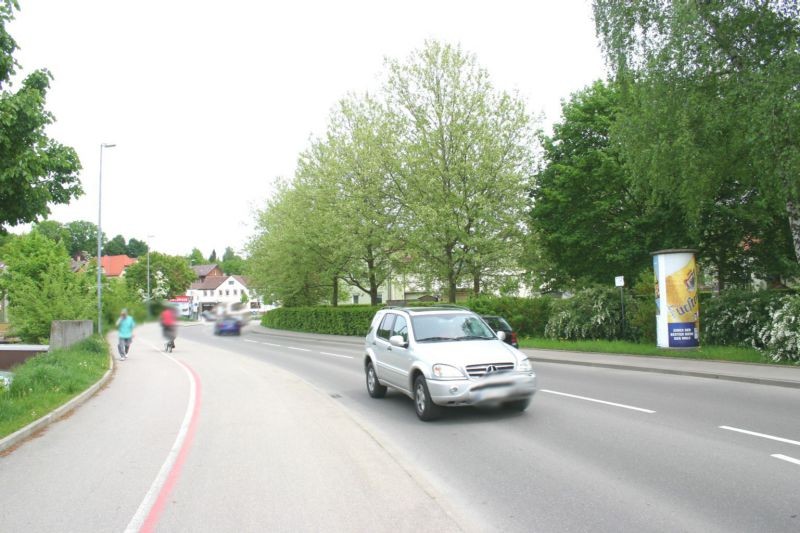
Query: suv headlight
x=446 y=372
x=524 y=365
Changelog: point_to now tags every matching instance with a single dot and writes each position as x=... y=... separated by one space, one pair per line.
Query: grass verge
x=47 y=381
x=719 y=353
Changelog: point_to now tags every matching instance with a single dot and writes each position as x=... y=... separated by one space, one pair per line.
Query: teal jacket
x=126 y=326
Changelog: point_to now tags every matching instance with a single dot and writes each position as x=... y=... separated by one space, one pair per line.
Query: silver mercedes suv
x=444 y=356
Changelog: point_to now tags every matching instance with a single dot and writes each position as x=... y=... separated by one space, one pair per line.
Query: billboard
x=678 y=308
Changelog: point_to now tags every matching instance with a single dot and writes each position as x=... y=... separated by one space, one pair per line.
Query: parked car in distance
x=498 y=324
x=228 y=325
x=444 y=356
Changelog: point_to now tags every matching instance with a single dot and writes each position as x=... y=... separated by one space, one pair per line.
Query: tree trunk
x=793 y=210
x=373 y=284
x=476 y=285
x=335 y=297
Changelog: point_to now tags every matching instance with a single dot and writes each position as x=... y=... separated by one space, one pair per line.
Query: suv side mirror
x=501 y=335
x=397 y=340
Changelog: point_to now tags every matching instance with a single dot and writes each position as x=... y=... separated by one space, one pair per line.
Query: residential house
x=113 y=266
x=214 y=290
x=203 y=271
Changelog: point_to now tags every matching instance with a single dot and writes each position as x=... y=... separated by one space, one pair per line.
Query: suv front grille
x=477 y=371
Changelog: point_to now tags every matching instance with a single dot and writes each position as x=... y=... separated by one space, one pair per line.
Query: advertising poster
x=678 y=315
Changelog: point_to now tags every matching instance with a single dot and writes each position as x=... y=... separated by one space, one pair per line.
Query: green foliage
x=196 y=257
x=232 y=264
x=136 y=248
x=709 y=117
x=118 y=295
x=170 y=275
x=115 y=246
x=41 y=287
x=736 y=317
x=592 y=313
x=47 y=381
x=527 y=316
x=781 y=335
x=35 y=171
x=344 y=320
x=587 y=221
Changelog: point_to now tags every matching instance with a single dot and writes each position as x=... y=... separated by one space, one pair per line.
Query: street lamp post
x=100 y=241
x=149 y=303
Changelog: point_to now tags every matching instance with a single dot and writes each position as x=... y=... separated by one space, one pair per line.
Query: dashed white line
x=786 y=458
x=270 y=344
x=599 y=401
x=248 y=340
x=298 y=349
x=337 y=355
x=762 y=435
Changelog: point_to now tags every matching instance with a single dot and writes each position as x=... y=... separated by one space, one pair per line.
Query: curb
x=19 y=436
x=691 y=373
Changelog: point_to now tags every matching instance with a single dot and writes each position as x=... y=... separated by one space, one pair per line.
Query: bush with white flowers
x=781 y=335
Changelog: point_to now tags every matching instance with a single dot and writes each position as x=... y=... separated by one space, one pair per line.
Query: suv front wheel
x=374 y=387
x=426 y=409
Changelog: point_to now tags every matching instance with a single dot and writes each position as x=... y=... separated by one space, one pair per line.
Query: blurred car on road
x=498 y=324
x=444 y=356
x=228 y=325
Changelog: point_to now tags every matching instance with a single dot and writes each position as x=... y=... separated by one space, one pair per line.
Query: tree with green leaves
x=466 y=162
x=83 y=238
x=55 y=231
x=116 y=246
x=711 y=112
x=351 y=172
x=41 y=286
x=213 y=257
x=196 y=257
x=587 y=221
x=292 y=257
x=136 y=248
x=172 y=272
x=35 y=170
x=232 y=264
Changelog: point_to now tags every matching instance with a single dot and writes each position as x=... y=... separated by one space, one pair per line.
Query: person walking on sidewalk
x=125 y=325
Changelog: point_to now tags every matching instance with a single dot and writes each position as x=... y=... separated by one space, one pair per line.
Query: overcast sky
x=210 y=102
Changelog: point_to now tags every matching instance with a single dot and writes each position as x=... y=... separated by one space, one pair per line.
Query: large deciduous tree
x=351 y=170
x=174 y=274
x=35 y=171
x=587 y=221
x=466 y=163
x=712 y=109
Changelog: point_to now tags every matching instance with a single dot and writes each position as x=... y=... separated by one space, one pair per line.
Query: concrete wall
x=64 y=333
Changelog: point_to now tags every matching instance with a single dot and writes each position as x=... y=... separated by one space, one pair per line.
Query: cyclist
x=169 y=321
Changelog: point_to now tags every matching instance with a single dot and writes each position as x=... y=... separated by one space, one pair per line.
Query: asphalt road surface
x=275 y=432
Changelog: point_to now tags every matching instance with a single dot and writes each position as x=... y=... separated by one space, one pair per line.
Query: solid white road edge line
x=786 y=458
x=599 y=401
x=149 y=499
x=298 y=349
x=337 y=355
x=762 y=435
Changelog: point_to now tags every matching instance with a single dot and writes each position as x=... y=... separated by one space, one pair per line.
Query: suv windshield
x=449 y=327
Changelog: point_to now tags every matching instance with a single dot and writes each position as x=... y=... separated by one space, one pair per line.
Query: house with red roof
x=113 y=266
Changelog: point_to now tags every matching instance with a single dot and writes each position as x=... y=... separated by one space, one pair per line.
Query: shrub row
x=344 y=320
x=766 y=320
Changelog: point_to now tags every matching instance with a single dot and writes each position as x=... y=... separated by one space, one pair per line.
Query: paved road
x=286 y=438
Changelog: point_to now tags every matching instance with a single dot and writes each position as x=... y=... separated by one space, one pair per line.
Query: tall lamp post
x=149 y=303
x=100 y=241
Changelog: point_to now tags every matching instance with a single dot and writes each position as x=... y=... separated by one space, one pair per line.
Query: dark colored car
x=498 y=323
x=227 y=326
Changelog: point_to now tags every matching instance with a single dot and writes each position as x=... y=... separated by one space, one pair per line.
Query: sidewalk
x=778 y=375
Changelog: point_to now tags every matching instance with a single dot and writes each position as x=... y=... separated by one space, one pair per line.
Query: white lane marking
x=786 y=458
x=762 y=435
x=298 y=349
x=248 y=340
x=158 y=483
x=337 y=355
x=270 y=344
x=599 y=401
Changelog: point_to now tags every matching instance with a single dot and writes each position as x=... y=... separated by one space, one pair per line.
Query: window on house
x=355 y=298
x=235 y=292
x=227 y=292
x=230 y=282
x=380 y=298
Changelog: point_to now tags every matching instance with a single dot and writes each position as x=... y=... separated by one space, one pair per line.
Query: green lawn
x=722 y=353
x=47 y=381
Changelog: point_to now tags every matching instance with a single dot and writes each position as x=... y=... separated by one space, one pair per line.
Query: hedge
x=344 y=320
